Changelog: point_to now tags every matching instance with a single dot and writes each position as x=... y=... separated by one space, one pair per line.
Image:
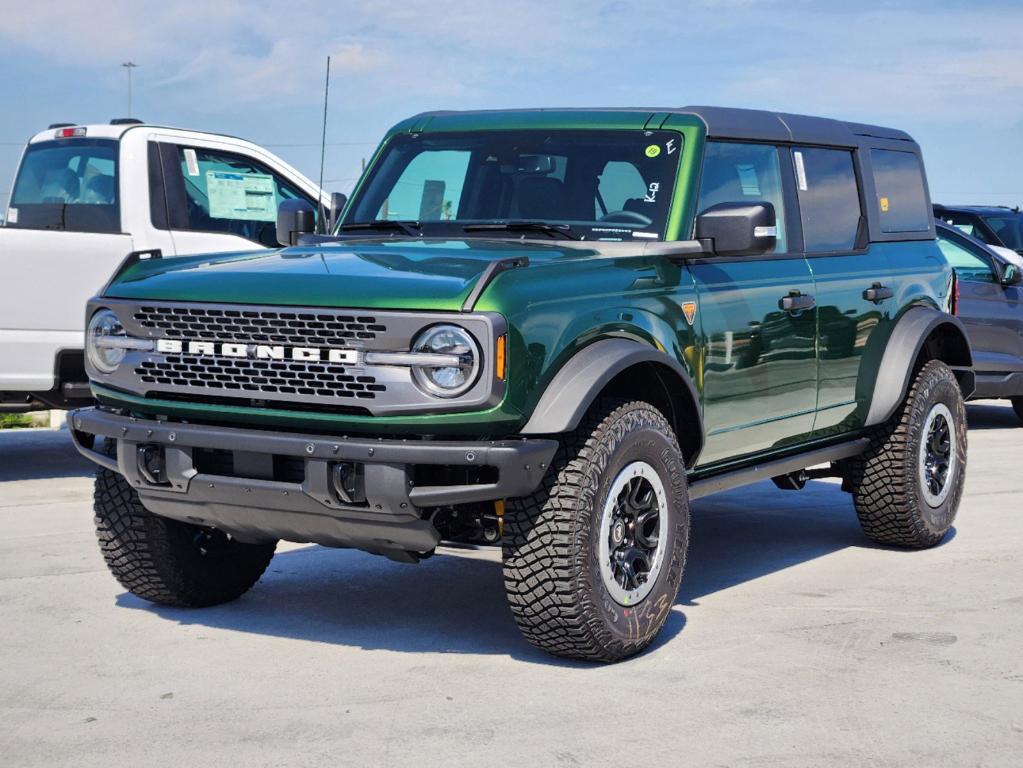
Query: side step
x=736 y=478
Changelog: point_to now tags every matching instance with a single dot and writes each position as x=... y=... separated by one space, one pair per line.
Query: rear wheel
x=167 y=561
x=593 y=560
x=1017 y=405
x=907 y=484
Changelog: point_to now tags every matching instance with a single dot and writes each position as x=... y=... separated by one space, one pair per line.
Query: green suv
x=548 y=329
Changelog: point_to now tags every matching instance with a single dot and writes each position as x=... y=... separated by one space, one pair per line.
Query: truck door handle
x=877 y=293
x=796 y=302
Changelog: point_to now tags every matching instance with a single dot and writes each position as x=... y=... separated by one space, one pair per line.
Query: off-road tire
x=885 y=480
x=166 y=561
x=551 y=538
x=1017 y=406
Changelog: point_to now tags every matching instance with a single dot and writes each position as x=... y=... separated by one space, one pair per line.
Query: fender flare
x=580 y=381
x=903 y=349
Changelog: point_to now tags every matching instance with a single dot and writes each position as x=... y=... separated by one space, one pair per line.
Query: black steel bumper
x=388 y=519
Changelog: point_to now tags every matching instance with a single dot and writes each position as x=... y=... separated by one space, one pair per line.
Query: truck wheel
x=1017 y=406
x=166 y=561
x=594 y=558
x=907 y=484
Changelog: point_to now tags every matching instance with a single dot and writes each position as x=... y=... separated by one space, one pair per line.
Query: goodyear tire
x=166 y=561
x=1017 y=406
x=594 y=558
x=907 y=484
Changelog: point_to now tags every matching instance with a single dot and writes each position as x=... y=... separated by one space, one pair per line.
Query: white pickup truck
x=85 y=198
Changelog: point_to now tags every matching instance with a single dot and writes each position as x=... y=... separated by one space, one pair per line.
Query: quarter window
x=829 y=199
x=736 y=173
x=901 y=197
x=225 y=192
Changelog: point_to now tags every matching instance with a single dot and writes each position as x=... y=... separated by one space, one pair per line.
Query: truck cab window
x=67 y=184
x=829 y=198
x=230 y=193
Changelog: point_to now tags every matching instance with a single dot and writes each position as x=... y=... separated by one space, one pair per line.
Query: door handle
x=796 y=302
x=877 y=293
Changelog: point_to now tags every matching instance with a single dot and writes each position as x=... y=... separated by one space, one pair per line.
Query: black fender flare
x=580 y=381
x=903 y=349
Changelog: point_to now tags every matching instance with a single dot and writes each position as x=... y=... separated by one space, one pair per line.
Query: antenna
x=323 y=148
x=129 y=65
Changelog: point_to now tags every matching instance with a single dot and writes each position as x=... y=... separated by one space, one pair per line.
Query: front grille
x=259 y=326
x=258 y=377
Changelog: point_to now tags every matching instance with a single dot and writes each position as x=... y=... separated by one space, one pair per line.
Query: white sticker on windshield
x=241 y=196
x=652 y=190
x=12 y=215
x=191 y=162
x=800 y=171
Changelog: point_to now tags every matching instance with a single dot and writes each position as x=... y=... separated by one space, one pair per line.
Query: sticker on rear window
x=12 y=215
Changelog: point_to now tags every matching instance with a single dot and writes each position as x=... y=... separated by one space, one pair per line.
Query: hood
x=378 y=274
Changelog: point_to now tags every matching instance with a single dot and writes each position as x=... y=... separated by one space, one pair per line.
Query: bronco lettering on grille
x=257 y=351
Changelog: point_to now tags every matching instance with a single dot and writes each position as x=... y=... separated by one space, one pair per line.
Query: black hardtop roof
x=979 y=209
x=749 y=124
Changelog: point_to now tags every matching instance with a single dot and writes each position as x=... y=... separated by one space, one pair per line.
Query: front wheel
x=593 y=560
x=907 y=484
x=167 y=561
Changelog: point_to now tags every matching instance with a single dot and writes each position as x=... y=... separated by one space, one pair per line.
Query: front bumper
x=248 y=502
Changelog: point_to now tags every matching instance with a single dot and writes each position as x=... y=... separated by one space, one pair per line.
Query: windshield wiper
x=409 y=227
x=553 y=230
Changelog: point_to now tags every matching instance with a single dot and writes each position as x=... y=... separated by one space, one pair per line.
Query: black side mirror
x=294 y=218
x=738 y=229
x=338 y=201
x=1011 y=275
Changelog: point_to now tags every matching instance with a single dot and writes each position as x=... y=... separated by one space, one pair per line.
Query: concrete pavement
x=795 y=642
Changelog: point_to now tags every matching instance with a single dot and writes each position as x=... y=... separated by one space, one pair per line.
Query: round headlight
x=448 y=380
x=104 y=357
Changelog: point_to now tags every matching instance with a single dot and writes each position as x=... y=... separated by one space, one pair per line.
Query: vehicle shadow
x=992 y=414
x=40 y=454
x=454 y=603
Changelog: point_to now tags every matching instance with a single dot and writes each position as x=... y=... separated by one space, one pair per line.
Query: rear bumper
x=253 y=506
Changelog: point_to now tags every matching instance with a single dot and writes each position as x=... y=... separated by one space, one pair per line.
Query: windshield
x=70 y=184
x=1009 y=229
x=591 y=185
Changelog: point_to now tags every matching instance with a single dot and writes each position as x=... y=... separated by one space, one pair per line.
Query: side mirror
x=738 y=229
x=294 y=218
x=338 y=201
x=1011 y=275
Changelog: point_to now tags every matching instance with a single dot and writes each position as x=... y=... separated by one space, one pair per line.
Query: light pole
x=129 y=65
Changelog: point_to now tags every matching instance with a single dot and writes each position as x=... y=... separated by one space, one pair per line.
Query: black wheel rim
x=938 y=455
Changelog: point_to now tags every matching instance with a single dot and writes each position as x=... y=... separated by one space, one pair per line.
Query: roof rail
x=126 y=121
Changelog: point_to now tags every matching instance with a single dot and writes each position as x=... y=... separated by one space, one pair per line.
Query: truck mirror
x=338 y=200
x=738 y=229
x=294 y=218
x=1011 y=275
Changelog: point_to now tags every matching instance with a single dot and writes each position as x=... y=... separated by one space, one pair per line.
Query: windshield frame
x=663 y=224
x=109 y=223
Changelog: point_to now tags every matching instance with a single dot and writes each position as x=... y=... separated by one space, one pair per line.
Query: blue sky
x=949 y=72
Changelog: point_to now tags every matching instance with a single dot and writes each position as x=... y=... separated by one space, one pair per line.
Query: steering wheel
x=627 y=217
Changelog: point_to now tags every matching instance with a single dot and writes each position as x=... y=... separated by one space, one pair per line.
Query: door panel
x=760 y=373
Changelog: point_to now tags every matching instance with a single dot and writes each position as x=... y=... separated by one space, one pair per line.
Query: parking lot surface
x=794 y=642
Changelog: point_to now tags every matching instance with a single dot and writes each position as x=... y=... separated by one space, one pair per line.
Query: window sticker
x=884 y=205
x=12 y=215
x=800 y=171
x=653 y=151
x=670 y=147
x=241 y=196
x=748 y=180
x=652 y=190
x=191 y=162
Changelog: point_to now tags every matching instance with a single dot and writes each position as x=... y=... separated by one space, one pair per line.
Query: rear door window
x=67 y=184
x=829 y=198
x=231 y=193
x=901 y=198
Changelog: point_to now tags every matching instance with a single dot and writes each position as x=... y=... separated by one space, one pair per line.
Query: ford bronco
x=551 y=329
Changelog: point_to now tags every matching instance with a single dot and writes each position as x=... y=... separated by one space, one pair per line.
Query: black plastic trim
x=493 y=269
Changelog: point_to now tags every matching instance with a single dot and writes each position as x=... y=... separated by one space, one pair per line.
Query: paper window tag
x=191 y=162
